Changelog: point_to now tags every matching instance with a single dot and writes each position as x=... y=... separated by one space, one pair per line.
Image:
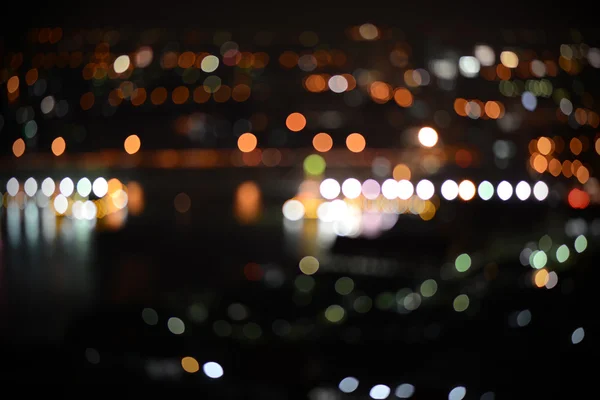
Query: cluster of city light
x=370 y=189
x=405 y=390
x=67 y=198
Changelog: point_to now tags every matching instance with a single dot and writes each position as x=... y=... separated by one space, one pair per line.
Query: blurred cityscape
x=363 y=212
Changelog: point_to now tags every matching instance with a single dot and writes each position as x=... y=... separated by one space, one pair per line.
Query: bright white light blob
x=540 y=190
x=351 y=188
x=523 y=190
x=66 y=187
x=48 y=187
x=213 y=370
x=84 y=187
x=466 y=190
x=30 y=187
x=389 y=189
x=504 y=190
x=12 y=186
x=61 y=204
x=293 y=210
x=449 y=190
x=378 y=392
x=100 y=187
x=469 y=66
x=405 y=189
x=428 y=137
x=330 y=189
x=425 y=189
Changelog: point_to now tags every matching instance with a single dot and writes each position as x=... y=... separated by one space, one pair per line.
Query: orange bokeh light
x=356 y=142
x=58 y=146
x=295 y=122
x=132 y=144
x=322 y=142
x=403 y=97
x=247 y=142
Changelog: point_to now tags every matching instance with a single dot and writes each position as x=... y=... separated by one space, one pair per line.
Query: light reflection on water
x=47 y=264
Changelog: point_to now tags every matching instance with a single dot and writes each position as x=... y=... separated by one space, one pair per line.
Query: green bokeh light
x=429 y=288
x=314 y=165
x=562 y=253
x=461 y=303
x=344 y=285
x=539 y=259
x=463 y=262
x=334 y=313
x=581 y=243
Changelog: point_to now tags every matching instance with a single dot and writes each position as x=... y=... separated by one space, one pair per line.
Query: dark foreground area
x=125 y=306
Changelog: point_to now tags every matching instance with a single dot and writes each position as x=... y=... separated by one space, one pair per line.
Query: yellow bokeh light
x=541 y=278
x=58 y=146
x=121 y=64
x=509 y=59
x=401 y=171
x=309 y=265
x=190 y=365
x=132 y=144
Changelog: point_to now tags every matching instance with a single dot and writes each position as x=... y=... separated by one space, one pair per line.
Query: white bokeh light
x=458 y=393
x=338 y=84
x=30 y=187
x=12 y=187
x=523 y=190
x=425 y=189
x=89 y=210
x=61 y=204
x=213 y=370
x=405 y=189
x=351 y=188
x=100 y=187
x=66 y=187
x=48 y=187
x=330 y=189
x=449 y=190
x=428 y=137
x=485 y=55
x=371 y=189
x=469 y=66
x=466 y=190
x=540 y=190
x=504 y=190
x=293 y=210
x=378 y=392
x=84 y=187
x=389 y=189
x=348 y=385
